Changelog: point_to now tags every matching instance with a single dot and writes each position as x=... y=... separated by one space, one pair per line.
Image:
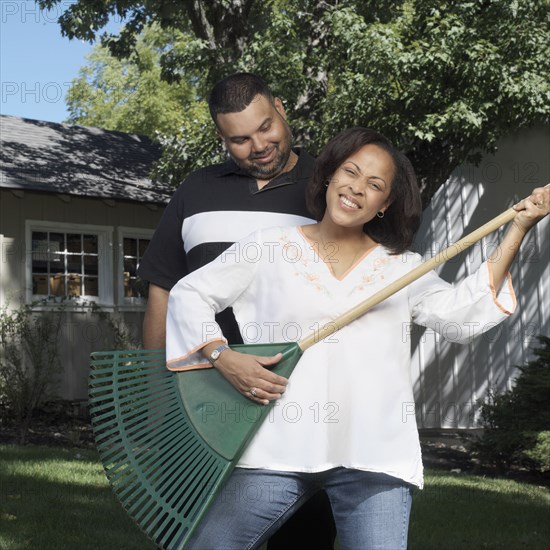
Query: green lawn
x=58 y=499
x=474 y=512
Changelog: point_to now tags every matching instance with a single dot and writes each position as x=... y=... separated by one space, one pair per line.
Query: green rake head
x=169 y=441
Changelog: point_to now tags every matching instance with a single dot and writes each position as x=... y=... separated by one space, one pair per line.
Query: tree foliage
x=443 y=79
x=128 y=94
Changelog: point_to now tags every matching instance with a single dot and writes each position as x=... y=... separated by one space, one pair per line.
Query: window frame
x=105 y=260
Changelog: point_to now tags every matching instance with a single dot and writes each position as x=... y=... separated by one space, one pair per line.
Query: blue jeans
x=371 y=510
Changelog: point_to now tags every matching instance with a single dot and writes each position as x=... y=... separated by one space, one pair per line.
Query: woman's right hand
x=248 y=375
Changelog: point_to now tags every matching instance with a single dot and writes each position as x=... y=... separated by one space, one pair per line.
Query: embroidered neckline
x=351 y=268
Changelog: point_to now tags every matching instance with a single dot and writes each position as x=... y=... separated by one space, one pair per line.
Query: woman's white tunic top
x=349 y=401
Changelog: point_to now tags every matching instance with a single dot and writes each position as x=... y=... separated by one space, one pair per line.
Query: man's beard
x=276 y=166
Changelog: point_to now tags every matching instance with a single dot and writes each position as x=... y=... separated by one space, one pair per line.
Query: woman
x=340 y=422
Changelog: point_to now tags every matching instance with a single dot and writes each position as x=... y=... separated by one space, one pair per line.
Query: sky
x=37 y=64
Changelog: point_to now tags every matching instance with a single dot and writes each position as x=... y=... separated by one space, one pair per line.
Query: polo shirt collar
x=229 y=167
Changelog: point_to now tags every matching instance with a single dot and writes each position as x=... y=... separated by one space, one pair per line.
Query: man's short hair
x=235 y=92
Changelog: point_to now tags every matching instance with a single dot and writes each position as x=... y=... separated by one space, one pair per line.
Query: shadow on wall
x=450 y=378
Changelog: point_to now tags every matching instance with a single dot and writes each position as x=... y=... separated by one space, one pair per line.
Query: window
x=65 y=264
x=66 y=260
x=132 y=246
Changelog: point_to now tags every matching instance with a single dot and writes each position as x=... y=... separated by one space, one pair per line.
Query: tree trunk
x=223 y=25
x=315 y=70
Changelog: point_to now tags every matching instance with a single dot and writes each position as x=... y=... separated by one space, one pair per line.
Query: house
x=77 y=210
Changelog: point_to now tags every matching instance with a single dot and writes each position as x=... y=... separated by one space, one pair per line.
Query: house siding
x=450 y=379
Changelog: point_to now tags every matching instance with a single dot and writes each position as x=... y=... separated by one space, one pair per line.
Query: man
x=261 y=185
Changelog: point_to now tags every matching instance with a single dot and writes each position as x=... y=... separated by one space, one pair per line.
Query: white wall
x=449 y=379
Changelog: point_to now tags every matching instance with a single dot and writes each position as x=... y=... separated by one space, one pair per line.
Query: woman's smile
x=347 y=202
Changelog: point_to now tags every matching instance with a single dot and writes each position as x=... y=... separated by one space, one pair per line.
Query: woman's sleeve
x=195 y=299
x=466 y=309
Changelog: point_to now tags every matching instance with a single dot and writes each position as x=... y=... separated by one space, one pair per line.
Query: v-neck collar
x=311 y=244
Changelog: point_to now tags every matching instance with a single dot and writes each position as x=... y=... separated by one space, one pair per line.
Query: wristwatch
x=216 y=353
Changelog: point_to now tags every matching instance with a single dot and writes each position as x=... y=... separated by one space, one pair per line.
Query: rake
x=168 y=441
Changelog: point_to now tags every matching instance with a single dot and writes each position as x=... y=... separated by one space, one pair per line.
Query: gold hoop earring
x=380 y=214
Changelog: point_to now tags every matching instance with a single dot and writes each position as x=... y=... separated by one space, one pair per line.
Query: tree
x=444 y=80
x=128 y=94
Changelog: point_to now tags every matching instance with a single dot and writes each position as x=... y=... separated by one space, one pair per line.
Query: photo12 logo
x=29 y=12
x=37 y=92
x=291 y=412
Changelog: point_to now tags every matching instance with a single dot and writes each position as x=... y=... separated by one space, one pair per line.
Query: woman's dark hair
x=235 y=92
x=401 y=219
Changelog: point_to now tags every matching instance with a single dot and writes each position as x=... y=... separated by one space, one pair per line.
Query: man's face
x=258 y=138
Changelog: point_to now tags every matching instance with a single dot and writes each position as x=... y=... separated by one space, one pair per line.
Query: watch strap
x=216 y=353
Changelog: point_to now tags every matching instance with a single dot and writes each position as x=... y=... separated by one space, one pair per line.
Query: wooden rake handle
x=333 y=326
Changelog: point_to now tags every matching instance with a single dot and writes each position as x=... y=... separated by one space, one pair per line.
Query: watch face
x=216 y=353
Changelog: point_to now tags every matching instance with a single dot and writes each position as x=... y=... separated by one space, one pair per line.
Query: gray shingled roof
x=76 y=160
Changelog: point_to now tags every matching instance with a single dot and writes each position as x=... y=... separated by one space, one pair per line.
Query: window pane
x=135 y=287
x=57 y=263
x=39 y=253
x=90 y=265
x=74 y=263
x=57 y=285
x=56 y=247
x=90 y=244
x=130 y=266
x=74 y=284
x=39 y=236
x=127 y=285
x=40 y=284
x=91 y=286
x=133 y=248
x=74 y=242
x=130 y=247
x=57 y=242
x=143 y=243
x=39 y=247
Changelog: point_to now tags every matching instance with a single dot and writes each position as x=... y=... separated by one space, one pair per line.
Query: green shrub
x=540 y=453
x=514 y=421
x=120 y=335
x=29 y=360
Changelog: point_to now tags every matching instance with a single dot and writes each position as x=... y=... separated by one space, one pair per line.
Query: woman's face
x=360 y=187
